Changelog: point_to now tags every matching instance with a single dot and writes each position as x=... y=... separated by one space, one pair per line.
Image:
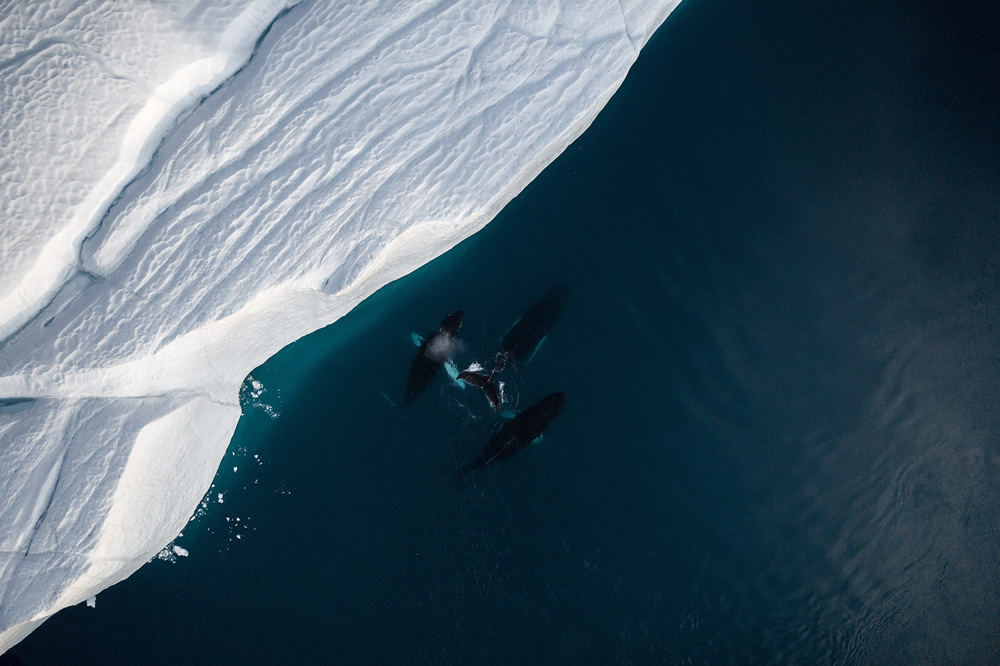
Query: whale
x=529 y=332
x=432 y=354
x=485 y=382
x=519 y=432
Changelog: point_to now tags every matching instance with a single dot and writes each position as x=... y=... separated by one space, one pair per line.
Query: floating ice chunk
x=179 y=552
x=92 y=601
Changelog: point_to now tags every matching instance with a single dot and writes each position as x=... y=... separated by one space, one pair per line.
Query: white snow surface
x=189 y=186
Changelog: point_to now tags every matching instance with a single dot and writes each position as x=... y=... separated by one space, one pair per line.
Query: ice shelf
x=190 y=186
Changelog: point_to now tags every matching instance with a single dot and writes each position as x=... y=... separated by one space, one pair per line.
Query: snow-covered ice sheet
x=188 y=186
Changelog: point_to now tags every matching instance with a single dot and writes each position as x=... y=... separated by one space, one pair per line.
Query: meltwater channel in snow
x=190 y=186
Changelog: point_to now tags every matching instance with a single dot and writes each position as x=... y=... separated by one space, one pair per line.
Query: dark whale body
x=431 y=356
x=519 y=432
x=528 y=332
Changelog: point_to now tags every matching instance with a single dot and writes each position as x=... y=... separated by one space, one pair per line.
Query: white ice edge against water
x=118 y=420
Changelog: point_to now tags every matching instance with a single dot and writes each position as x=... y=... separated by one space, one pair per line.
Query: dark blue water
x=781 y=355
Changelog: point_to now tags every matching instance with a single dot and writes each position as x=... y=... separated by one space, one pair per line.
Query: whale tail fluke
x=484 y=382
x=477 y=379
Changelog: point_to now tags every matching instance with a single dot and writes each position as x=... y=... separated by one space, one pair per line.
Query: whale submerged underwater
x=526 y=336
x=520 y=431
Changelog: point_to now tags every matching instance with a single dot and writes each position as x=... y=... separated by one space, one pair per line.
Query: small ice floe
x=251 y=393
x=202 y=508
x=220 y=500
x=256 y=389
x=92 y=601
x=179 y=552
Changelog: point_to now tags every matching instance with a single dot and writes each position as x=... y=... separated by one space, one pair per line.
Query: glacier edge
x=167 y=393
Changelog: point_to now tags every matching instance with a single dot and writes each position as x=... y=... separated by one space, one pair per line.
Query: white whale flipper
x=452 y=370
x=537 y=347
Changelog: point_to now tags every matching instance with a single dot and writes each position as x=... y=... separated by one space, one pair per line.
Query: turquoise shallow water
x=781 y=358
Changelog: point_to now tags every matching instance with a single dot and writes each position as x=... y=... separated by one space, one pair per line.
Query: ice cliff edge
x=190 y=186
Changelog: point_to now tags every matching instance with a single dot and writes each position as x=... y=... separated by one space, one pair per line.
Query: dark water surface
x=781 y=352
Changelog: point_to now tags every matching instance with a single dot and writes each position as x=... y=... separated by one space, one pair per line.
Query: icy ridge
x=143 y=277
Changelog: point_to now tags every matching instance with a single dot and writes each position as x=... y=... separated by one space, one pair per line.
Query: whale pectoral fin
x=452 y=371
x=511 y=327
x=417 y=339
x=537 y=347
x=538 y=439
